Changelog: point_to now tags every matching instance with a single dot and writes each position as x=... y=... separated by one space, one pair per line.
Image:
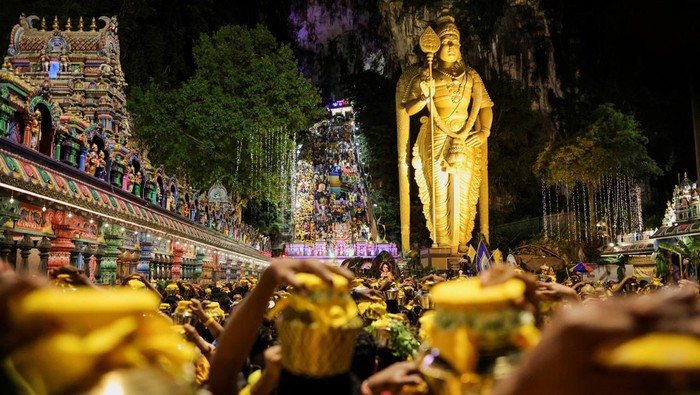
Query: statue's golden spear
x=430 y=44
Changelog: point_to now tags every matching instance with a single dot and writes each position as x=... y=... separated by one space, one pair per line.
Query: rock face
x=334 y=39
x=506 y=39
x=403 y=26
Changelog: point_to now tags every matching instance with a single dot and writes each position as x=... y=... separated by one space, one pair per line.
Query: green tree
x=659 y=259
x=235 y=119
x=611 y=145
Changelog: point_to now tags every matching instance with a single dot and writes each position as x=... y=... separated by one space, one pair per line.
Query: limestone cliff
x=503 y=38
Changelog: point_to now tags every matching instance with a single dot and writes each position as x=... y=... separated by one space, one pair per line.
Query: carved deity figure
x=44 y=60
x=449 y=155
x=137 y=183
x=185 y=209
x=101 y=162
x=131 y=178
x=45 y=89
x=65 y=62
x=35 y=130
x=169 y=201
x=92 y=160
x=669 y=215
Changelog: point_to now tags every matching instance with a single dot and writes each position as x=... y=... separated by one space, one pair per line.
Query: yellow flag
x=471 y=253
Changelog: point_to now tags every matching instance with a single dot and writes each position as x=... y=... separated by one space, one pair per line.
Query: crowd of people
x=331 y=201
x=305 y=327
x=249 y=235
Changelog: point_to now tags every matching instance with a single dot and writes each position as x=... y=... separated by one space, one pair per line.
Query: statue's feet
x=462 y=249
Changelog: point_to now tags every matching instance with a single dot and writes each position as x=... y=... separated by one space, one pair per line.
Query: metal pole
x=430 y=44
x=432 y=146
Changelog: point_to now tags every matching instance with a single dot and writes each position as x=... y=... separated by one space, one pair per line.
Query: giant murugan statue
x=450 y=153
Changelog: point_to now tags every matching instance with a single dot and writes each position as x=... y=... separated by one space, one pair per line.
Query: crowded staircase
x=331 y=216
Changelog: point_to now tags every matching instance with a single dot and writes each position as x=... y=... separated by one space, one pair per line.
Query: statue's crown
x=446 y=24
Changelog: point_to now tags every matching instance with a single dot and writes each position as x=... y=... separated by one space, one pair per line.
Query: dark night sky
x=649 y=49
x=641 y=56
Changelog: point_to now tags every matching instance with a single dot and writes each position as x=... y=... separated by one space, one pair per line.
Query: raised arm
x=239 y=334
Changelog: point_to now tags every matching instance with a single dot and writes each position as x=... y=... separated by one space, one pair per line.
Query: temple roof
x=21 y=172
x=27 y=38
x=686 y=229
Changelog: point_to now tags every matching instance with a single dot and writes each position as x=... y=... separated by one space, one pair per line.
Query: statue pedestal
x=441 y=258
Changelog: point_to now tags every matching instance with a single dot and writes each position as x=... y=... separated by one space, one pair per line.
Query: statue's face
x=450 y=48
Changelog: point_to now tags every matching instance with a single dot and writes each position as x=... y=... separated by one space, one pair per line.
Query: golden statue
x=450 y=154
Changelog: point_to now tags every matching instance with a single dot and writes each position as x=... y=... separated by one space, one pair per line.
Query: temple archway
x=46 y=141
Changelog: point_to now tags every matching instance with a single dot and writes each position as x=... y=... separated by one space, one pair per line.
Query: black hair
x=364 y=357
x=267 y=337
x=410 y=315
x=240 y=290
x=386 y=358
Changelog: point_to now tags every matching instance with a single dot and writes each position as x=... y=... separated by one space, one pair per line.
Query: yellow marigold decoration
x=118 y=328
x=136 y=284
x=317 y=329
x=470 y=319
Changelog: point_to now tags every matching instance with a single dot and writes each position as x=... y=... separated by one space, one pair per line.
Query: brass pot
x=426 y=301
x=401 y=300
x=382 y=337
x=314 y=352
x=183 y=313
x=391 y=294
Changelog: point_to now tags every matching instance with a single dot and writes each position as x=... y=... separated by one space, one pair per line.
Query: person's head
x=267 y=337
x=449 y=38
x=364 y=358
x=172 y=289
x=587 y=292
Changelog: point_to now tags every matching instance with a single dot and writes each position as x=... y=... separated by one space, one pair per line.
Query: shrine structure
x=681 y=220
x=75 y=187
